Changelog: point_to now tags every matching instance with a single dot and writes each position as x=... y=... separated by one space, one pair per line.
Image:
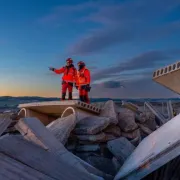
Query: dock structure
x=169 y=77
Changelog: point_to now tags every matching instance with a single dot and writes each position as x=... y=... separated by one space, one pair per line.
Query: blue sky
x=121 y=41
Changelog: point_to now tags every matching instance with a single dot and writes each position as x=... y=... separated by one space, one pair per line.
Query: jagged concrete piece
x=132 y=135
x=86 y=148
x=113 y=129
x=145 y=129
x=62 y=127
x=158 y=114
x=93 y=138
x=126 y=120
x=44 y=118
x=12 y=169
x=56 y=108
x=103 y=164
x=157 y=149
x=109 y=110
x=168 y=76
x=91 y=125
x=33 y=130
x=37 y=158
x=121 y=148
x=5 y=121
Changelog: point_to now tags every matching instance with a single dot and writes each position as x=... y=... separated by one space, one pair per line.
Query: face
x=67 y=63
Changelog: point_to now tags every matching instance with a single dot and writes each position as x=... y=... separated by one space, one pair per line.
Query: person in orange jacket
x=83 y=81
x=68 y=78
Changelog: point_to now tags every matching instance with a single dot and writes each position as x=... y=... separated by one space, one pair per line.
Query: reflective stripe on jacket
x=83 y=77
x=69 y=74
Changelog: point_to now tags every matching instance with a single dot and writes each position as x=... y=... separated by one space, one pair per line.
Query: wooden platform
x=169 y=77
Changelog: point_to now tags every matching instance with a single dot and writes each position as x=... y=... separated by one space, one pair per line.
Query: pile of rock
x=102 y=143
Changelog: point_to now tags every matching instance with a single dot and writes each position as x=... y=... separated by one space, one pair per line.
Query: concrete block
x=121 y=148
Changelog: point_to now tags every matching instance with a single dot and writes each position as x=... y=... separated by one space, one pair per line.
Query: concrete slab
x=12 y=169
x=169 y=76
x=56 y=108
x=5 y=121
x=154 y=151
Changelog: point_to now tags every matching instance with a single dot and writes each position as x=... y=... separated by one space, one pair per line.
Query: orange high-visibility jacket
x=69 y=75
x=83 y=77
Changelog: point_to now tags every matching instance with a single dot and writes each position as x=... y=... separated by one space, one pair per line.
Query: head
x=69 y=61
x=81 y=64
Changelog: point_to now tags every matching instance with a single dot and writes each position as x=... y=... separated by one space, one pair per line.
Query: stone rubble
x=104 y=142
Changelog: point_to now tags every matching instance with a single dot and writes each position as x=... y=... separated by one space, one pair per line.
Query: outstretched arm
x=58 y=71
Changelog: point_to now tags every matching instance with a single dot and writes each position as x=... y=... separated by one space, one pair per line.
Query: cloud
x=146 y=60
x=126 y=22
x=141 y=88
x=112 y=84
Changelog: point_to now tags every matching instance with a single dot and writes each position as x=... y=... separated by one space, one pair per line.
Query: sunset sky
x=121 y=41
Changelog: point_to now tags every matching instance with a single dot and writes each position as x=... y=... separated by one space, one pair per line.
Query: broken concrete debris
x=95 y=145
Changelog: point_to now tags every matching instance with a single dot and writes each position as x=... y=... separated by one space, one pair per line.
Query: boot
x=81 y=98
x=70 y=95
x=63 y=96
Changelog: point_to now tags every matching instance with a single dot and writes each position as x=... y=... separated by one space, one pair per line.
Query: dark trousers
x=67 y=86
x=84 y=95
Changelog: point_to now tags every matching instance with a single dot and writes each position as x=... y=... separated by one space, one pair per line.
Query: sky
x=121 y=41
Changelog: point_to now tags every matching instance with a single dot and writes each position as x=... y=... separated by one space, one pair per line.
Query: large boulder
x=62 y=127
x=121 y=148
x=126 y=120
x=91 y=125
x=109 y=110
x=114 y=130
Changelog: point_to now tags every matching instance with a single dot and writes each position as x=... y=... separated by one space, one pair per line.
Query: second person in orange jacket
x=83 y=80
x=68 y=78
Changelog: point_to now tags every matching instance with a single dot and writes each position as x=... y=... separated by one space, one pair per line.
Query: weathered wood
x=40 y=160
x=14 y=170
x=62 y=127
x=33 y=130
x=5 y=121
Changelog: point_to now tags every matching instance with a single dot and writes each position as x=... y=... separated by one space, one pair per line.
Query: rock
x=141 y=118
x=136 y=140
x=121 y=148
x=109 y=110
x=131 y=135
x=62 y=127
x=126 y=120
x=91 y=125
x=116 y=163
x=150 y=121
x=93 y=147
x=93 y=138
x=145 y=129
x=104 y=164
x=113 y=129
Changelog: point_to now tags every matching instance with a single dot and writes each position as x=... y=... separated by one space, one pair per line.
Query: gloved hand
x=51 y=68
x=88 y=88
x=76 y=85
